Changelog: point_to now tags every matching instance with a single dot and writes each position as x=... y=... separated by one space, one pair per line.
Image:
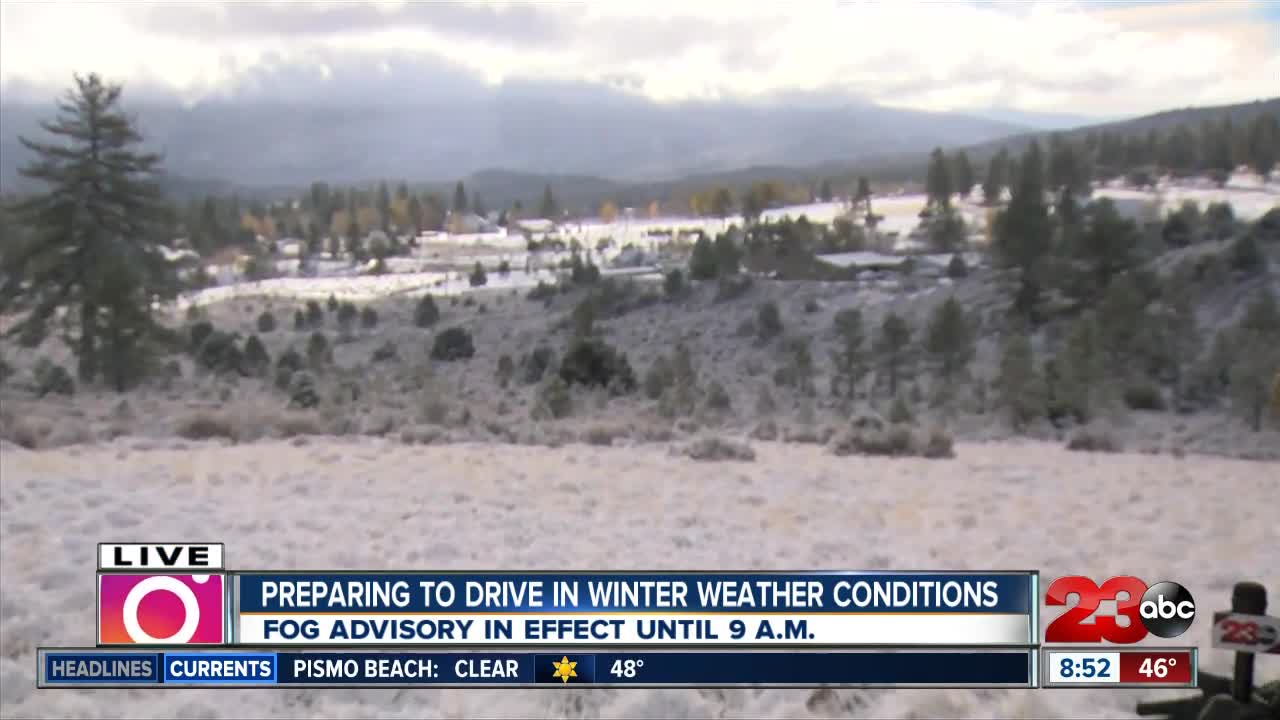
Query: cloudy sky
x=1092 y=58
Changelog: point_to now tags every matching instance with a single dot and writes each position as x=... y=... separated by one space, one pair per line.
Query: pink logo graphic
x=160 y=609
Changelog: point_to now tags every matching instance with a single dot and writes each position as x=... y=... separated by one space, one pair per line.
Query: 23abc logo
x=1165 y=609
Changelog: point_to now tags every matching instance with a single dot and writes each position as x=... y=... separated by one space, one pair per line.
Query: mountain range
x=520 y=127
x=590 y=142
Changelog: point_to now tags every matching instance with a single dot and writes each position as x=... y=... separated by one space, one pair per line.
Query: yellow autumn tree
x=400 y=214
x=609 y=212
x=338 y=226
x=369 y=219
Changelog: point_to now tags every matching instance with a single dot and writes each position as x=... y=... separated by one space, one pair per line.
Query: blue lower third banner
x=91 y=667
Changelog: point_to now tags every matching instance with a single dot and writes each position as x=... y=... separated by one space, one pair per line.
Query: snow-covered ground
x=372 y=504
x=1249 y=197
x=441 y=266
x=362 y=288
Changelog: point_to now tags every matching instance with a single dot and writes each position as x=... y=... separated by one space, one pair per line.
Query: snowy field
x=443 y=265
x=362 y=288
x=372 y=504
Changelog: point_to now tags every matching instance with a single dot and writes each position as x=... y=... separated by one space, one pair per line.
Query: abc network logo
x=1165 y=609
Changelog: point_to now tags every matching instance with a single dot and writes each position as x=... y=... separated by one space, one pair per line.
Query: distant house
x=291 y=247
x=536 y=226
x=863 y=260
x=468 y=224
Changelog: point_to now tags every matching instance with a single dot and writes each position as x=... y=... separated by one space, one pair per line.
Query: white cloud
x=1085 y=58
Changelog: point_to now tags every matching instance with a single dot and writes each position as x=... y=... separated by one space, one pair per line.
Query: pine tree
x=1264 y=143
x=548 y=206
x=938 y=184
x=892 y=347
x=1019 y=387
x=864 y=193
x=962 y=174
x=1066 y=169
x=1220 y=158
x=949 y=340
x=1109 y=242
x=415 y=214
x=355 y=245
x=997 y=177
x=849 y=361
x=1179 y=155
x=459 y=198
x=384 y=207
x=1121 y=316
x=1080 y=370
x=91 y=247
x=1023 y=231
x=824 y=190
x=703 y=263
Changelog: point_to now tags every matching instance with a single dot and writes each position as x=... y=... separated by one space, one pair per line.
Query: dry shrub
x=27 y=433
x=421 y=435
x=499 y=430
x=713 y=448
x=69 y=432
x=603 y=435
x=297 y=424
x=897 y=440
x=378 y=424
x=766 y=430
x=207 y=425
x=807 y=435
x=655 y=433
x=938 y=444
x=1087 y=440
x=435 y=411
x=687 y=426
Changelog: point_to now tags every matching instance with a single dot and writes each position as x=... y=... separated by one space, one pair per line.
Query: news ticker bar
x=101 y=668
x=605 y=609
x=1093 y=667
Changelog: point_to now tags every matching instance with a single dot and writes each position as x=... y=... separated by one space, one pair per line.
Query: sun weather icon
x=565 y=669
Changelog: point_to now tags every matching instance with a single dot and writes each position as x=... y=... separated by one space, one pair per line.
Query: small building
x=864 y=260
x=468 y=224
x=291 y=247
x=535 y=226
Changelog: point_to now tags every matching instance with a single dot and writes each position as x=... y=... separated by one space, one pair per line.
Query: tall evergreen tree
x=384 y=206
x=1019 y=388
x=91 y=249
x=962 y=174
x=997 y=177
x=1220 y=152
x=1023 y=231
x=825 y=192
x=1179 y=155
x=1264 y=143
x=415 y=214
x=864 y=193
x=1066 y=168
x=548 y=206
x=459 y=198
x=893 y=348
x=949 y=340
x=849 y=361
x=938 y=184
x=1109 y=243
